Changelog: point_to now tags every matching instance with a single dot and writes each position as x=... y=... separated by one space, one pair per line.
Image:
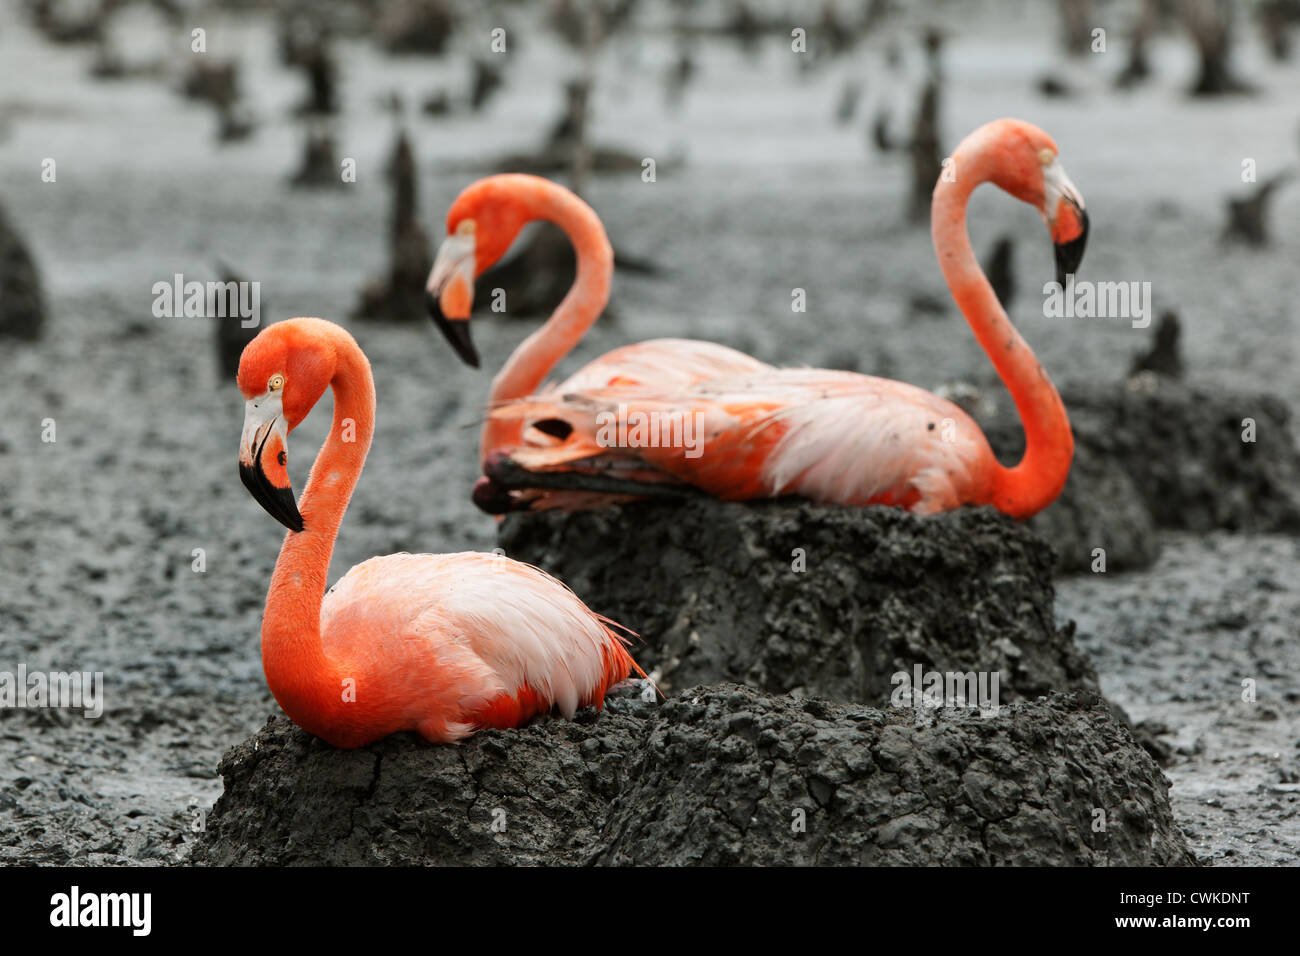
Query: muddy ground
x=722 y=775
x=758 y=192
x=815 y=600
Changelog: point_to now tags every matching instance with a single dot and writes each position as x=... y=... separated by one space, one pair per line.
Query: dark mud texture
x=791 y=597
x=128 y=789
x=718 y=775
x=22 y=304
x=1155 y=453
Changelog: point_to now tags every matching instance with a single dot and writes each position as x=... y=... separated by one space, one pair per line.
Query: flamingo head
x=482 y=224
x=449 y=292
x=282 y=373
x=1027 y=166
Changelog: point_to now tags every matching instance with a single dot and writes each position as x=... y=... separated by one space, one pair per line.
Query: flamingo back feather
x=834 y=437
x=464 y=641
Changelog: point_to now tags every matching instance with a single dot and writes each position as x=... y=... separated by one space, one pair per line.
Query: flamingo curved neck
x=1035 y=482
x=534 y=358
x=307 y=683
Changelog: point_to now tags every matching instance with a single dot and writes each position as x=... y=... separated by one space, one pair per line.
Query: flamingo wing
x=469 y=640
x=665 y=365
x=865 y=440
x=835 y=437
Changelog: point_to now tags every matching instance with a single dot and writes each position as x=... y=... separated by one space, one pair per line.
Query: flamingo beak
x=491 y=497
x=263 y=459
x=449 y=293
x=1066 y=218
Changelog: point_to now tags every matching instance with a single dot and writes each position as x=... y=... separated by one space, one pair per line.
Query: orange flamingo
x=834 y=437
x=442 y=644
x=482 y=224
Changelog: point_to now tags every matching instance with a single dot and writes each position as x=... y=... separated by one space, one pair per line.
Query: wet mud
x=1155 y=453
x=791 y=597
x=22 y=303
x=717 y=775
x=97 y=563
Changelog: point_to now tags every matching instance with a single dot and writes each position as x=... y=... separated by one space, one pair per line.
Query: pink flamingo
x=441 y=644
x=834 y=437
x=482 y=224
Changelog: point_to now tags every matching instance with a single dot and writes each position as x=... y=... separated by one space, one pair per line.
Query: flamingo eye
x=1046 y=157
x=276 y=383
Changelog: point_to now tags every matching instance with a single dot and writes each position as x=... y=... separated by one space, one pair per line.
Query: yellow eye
x=276 y=383
x=1046 y=157
x=466 y=227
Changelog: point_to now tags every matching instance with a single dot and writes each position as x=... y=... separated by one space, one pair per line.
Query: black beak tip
x=294 y=522
x=455 y=330
x=1070 y=254
x=277 y=502
x=490 y=497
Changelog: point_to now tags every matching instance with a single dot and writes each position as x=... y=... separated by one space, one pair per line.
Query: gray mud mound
x=291 y=799
x=1099 y=507
x=1161 y=454
x=22 y=304
x=1057 y=781
x=720 y=775
x=712 y=589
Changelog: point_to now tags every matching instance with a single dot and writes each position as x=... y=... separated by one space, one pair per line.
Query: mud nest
x=22 y=303
x=791 y=597
x=717 y=775
x=1161 y=454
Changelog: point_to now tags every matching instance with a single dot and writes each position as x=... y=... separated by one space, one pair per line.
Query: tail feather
x=619 y=664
